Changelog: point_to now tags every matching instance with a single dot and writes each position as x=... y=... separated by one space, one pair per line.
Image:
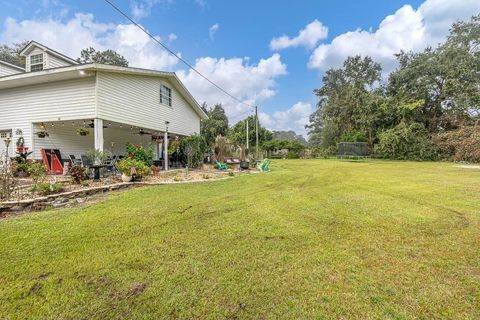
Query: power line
x=177 y=56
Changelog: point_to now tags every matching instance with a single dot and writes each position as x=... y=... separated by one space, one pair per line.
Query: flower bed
x=26 y=199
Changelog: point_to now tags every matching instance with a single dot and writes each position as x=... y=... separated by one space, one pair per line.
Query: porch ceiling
x=88 y=124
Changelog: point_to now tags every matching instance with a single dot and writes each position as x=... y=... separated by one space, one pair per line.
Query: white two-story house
x=113 y=105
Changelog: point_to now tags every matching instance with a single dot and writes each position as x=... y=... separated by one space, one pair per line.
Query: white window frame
x=165 y=95
x=37 y=62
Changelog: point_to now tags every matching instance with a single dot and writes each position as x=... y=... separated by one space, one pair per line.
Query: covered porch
x=76 y=137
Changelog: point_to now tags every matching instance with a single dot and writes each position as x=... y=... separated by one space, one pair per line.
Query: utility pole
x=256 y=130
x=248 y=138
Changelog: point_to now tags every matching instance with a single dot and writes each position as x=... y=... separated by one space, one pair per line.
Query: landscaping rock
x=16 y=208
x=59 y=205
x=60 y=201
x=79 y=200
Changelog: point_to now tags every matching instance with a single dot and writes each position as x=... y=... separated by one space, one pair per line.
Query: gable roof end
x=32 y=44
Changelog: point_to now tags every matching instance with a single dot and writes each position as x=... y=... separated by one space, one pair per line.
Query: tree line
x=426 y=109
x=217 y=124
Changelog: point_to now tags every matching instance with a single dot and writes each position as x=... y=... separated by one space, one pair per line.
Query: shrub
x=140 y=153
x=459 y=145
x=193 y=149
x=37 y=171
x=48 y=188
x=125 y=165
x=78 y=174
x=96 y=155
x=324 y=152
x=22 y=166
x=406 y=142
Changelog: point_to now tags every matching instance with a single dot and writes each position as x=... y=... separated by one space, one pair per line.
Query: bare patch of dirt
x=136 y=289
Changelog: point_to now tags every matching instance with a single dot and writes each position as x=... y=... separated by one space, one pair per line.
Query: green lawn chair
x=221 y=166
x=264 y=166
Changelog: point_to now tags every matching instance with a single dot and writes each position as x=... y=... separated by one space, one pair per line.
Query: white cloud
x=406 y=29
x=213 y=30
x=172 y=37
x=307 y=37
x=143 y=8
x=295 y=118
x=126 y=39
x=250 y=83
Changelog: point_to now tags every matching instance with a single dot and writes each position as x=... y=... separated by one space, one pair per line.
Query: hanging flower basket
x=83 y=132
x=42 y=134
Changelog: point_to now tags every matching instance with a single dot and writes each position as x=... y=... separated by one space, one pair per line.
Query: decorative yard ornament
x=22 y=151
x=7 y=140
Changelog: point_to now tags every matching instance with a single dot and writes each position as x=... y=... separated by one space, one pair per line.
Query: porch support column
x=165 y=148
x=98 y=134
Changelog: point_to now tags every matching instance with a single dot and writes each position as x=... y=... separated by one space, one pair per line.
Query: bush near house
x=192 y=149
x=48 y=188
x=78 y=174
x=141 y=153
x=125 y=165
x=37 y=172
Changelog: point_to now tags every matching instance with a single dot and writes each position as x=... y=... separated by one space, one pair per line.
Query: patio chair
x=221 y=166
x=264 y=166
x=75 y=161
x=86 y=162
x=110 y=165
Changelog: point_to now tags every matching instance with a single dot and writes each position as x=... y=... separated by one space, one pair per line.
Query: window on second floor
x=165 y=95
x=36 y=62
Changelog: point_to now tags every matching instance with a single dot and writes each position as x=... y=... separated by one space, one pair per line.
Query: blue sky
x=239 y=44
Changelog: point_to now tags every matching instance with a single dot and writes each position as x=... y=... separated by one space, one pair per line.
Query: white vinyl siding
x=57 y=101
x=54 y=62
x=6 y=70
x=135 y=100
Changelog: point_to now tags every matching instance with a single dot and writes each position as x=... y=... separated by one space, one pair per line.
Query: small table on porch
x=96 y=171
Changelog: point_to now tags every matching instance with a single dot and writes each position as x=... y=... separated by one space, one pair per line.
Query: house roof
x=8 y=64
x=85 y=70
x=32 y=44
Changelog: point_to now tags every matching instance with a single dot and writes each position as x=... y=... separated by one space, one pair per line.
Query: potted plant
x=244 y=164
x=125 y=167
x=42 y=134
x=131 y=168
x=83 y=132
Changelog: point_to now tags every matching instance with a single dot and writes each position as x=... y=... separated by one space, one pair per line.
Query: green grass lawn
x=313 y=239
